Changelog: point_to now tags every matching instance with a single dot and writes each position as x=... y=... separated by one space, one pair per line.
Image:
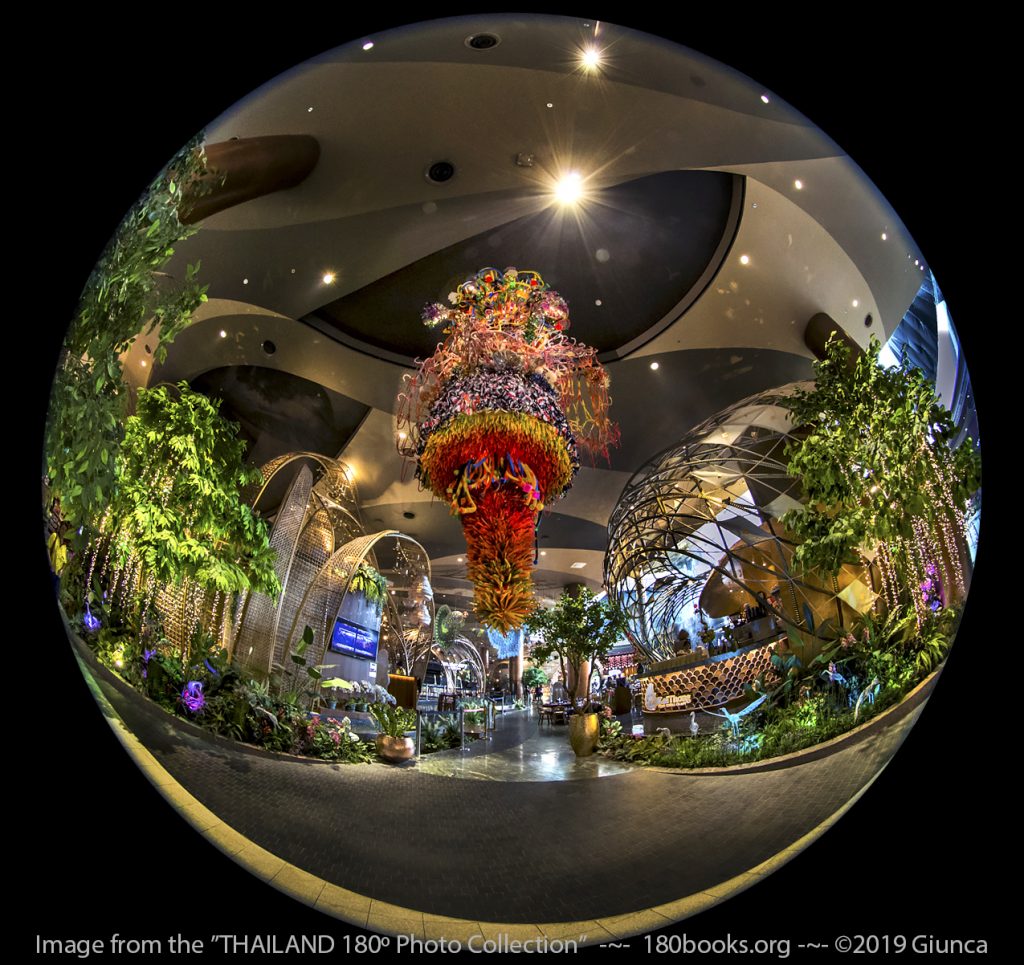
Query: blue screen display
x=354 y=639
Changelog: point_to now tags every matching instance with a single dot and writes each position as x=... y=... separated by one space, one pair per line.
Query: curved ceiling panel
x=640 y=256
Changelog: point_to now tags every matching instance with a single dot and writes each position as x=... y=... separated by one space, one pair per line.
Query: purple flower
x=91 y=623
x=192 y=696
x=210 y=667
x=148 y=655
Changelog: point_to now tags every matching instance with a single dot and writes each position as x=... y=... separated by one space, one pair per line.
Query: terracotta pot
x=584 y=730
x=396 y=749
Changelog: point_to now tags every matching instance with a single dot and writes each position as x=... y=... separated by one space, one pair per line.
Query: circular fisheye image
x=525 y=422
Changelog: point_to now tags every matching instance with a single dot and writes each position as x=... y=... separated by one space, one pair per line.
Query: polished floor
x=446 y=836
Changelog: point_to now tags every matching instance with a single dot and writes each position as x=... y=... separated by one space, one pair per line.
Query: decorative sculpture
x=867 y=696
x=494 y=419
x=734 y=719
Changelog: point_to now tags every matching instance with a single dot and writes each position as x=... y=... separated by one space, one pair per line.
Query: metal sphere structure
x=696 y=533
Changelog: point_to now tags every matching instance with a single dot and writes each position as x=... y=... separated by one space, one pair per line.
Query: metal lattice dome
x=696 y=534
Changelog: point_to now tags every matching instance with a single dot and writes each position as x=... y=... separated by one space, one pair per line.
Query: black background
x=105 y=104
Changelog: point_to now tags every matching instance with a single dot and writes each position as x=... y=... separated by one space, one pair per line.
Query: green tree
x=125 y=296
x=578 y=629
x=874 y=462
x=534 y=677
x=178 y=507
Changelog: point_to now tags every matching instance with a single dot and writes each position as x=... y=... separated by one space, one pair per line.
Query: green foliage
x=125 y=296
x=578 y=629
x=178 y=505
x=333 y=740
x=371 y=584
x=393 y=721
x=534 y=677
x=875 y=440
x=447 y=624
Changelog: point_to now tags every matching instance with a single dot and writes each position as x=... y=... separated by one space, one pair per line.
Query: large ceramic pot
x=584 y=730
x=396 y=749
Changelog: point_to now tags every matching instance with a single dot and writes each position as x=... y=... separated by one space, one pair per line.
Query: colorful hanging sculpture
x=495 y=419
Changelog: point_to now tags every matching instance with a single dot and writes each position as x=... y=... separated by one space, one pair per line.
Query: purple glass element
x=148 y=655
x=192 y=696
x=931 y=589
x=210 y=667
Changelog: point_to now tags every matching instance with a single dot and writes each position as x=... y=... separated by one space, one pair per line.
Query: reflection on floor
x=521 y=750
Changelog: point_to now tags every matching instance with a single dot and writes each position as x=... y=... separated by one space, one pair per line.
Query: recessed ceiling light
x=798 y=184
x=543 y=552
x=402 y=436
x=570 y=189
x=223 y=334
x=591 y=58
x=744 y=259
x=143 y=363
x=329 y=277
x=916 y=262
x=764 y=98
x=885 y=237
x=597 y=302
x=577 y=566
x=654 y=365
x=855 y=303
x=458 y=559
x=309 y=110
x=245 y=281
x=368 y=45
x=550 y=104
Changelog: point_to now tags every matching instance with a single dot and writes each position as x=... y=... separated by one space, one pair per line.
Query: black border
x=103 y=104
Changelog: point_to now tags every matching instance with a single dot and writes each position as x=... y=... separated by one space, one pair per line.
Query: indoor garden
x=503 y=477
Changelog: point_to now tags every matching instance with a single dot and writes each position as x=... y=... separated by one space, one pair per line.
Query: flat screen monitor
x=353 y=639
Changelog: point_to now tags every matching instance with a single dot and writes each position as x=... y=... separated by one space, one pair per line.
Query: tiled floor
x=534 y=841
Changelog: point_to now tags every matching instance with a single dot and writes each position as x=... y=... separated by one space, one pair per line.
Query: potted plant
x=394 y=722
x=580 y=630
x=334 y=685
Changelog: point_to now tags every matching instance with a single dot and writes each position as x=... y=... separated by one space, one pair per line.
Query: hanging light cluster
x=495 y=419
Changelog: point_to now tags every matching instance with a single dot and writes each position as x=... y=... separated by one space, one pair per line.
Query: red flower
x=558 y=326
x=533 y=282
x=488 y=279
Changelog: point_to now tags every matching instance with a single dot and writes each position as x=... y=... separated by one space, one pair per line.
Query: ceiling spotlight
x=591 y=58
x=855 y=303
x=764 y=98
x=223 y=334
x=329 y=277
x=368 y=45
x=655 y=366
x=458 y=559
x=570 y=189
x=916 y=262
x=598 y=302
x=402 y=436
x=245 y=281
x=798 y=184
x=577 y=566
x=549 y=104
x=143 y=363
x=309 y=110
x=885 y=237
x=543 y=552
x=744 y=259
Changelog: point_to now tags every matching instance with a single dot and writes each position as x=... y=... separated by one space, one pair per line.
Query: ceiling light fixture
x=329 y=277
x=223 y=334
x=543 y=552
x=577 y=566
x=885 y=237
x=591 y=58
x=655 y=366
x=245 y=281
x=798 y=184
x=570 y=189
x=458 y=559
x=368 y=45
x=550 y=104
x=764 y=98
x=856 y=302
x=744 y=259
x=309 y=110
